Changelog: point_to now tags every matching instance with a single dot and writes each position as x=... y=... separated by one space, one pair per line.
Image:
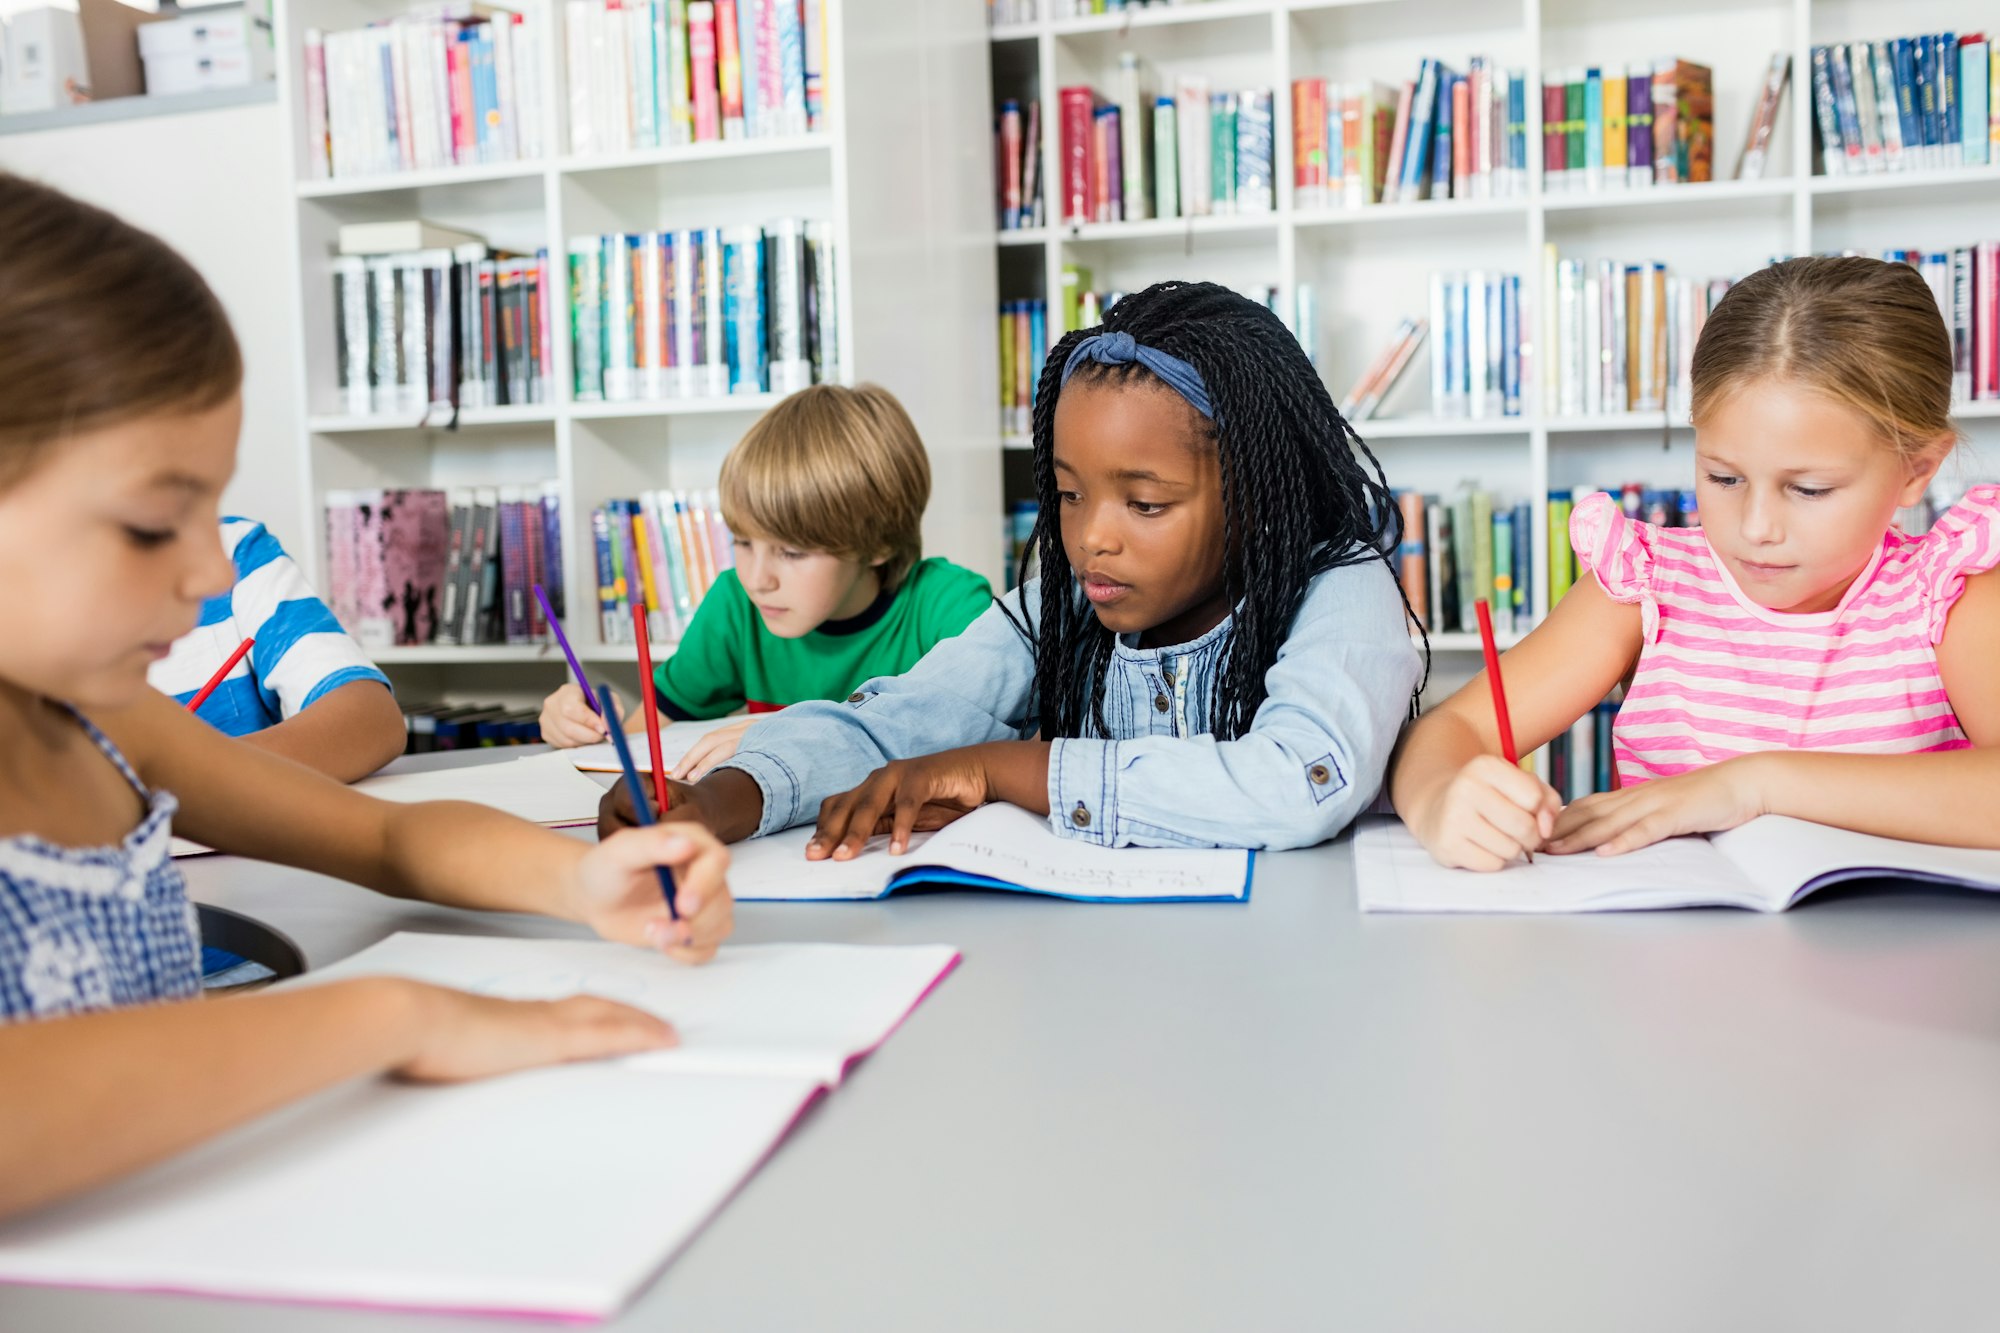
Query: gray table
x=1287 y=1115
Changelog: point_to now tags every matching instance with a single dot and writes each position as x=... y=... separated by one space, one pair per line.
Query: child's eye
x=1068 y=497
x=1813 y=492
x=793 y=555
x=742 y=543
x=1723 y=480
x=1146 y=508
x=146 y=539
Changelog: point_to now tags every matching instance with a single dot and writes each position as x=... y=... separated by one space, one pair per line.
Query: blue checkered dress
x=84 y=928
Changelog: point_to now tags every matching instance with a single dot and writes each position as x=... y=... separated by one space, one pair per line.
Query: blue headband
x=1118 y=349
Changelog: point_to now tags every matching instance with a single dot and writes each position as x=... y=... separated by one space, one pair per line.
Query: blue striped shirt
x=301 y=651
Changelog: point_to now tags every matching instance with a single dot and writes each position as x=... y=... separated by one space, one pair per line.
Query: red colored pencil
x=201 y=695
x=1492 y=653
x=652 y=708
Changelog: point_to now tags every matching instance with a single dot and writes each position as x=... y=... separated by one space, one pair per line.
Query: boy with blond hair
x=825 y=499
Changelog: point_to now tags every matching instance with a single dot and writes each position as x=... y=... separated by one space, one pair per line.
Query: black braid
x=1296 y=499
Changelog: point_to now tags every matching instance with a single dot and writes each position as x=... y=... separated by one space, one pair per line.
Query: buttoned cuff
x=1080 y=790
x=780 y=784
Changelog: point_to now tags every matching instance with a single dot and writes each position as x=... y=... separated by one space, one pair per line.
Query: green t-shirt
x=728 y=659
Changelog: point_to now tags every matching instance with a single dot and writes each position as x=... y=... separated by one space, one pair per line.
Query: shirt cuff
x=1080 y=790
x=780 y=785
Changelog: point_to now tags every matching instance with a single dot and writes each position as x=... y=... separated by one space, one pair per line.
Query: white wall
x=212 y=185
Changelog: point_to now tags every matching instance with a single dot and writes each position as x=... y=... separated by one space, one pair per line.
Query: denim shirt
x=1312 y=760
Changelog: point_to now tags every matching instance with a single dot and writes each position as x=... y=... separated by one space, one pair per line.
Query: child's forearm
x=347 y=734
x=1947 y=799
x=83 y=1100
x=458 y=854
x=1018 y=773
x=1431 y=751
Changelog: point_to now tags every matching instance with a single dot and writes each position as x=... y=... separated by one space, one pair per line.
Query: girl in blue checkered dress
x=119 y=414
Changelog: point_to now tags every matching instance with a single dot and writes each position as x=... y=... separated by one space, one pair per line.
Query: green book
x=1574 y=122
x=1166 y=160
x=1482 y=550
x=1463 y=560
x=1075 y=282
x=586 y=305
x=1222 y=152
x=1562 y=561
x=1135 y=104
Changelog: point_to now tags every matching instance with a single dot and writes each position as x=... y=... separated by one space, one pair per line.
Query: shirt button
x=1318 y=774
x=1168 y=672
x=1080 y=816
x=854 y=698
x=1160 y=704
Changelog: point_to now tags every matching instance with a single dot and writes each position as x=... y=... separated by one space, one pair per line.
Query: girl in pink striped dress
x=1797 y=654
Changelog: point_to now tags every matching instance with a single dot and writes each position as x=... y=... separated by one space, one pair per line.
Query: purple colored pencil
x=582 y=681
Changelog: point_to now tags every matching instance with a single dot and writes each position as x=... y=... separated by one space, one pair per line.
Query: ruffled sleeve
x=1964 y=541
x=1619 y=551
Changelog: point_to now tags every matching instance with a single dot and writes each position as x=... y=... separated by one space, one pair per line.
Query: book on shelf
x=1018 y=154
x=1458 y=549
x=1379 y=380
x=1203 y=153
x=664 y=549
x=1024 y=345
x=1648 y=123
x=703 y=313
x=1441 y=135
x=422 y=333
x=1750 y=163
x=423 y=92
x=1476 y=333
x=1965 y=281
x=1904 y=104
x=1623 y=336
x=675 y=72
x=1082 y=307
x=418 y=566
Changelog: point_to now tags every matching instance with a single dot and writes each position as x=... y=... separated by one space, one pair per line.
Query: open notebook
x=542 y=789
x=997 y=846
x=676 y=739
x=554 y=1193
x=1768 y=864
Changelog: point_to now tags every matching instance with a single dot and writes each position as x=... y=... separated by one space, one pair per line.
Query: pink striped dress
x=1719 y=675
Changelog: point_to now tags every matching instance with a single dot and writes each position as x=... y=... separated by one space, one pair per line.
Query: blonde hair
x=1865 y=332
x=99 y=323
x=833 y=469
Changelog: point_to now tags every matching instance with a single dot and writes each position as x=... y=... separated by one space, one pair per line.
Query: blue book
x=1417 y=135
x=607 y=579
x=1524 y=518
x=1845 y=106
x=743 y=309
x=1441 y=156
x=1517 y=124
x=1601 y=719
x=1927 y=102
x=1974 y=84
x=1510 y=344
x=1950 y=113
x=746 y=46
x=792 y=67
x=1904 y=56
x=394 y=146
x=1593 y=128
x=552 y=561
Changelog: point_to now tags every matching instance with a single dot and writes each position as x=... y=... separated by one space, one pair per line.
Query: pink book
x=729 y=67
x=701 y=56
x=318 y=154
x=770 y=68
x=1392 y=185
x=1985 y=319
x=413 y=533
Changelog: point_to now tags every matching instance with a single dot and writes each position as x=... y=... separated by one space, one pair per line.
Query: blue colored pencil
x=639 y=806
x=583 y=681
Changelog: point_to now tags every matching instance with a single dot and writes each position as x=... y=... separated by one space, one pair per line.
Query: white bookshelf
x=1369 y=267
x=912 y=238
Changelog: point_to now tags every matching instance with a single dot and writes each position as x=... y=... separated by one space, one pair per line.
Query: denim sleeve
x=967 y=690
x=1312 y=760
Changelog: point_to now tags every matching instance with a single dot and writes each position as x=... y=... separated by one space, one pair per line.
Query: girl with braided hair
x=1217 y=654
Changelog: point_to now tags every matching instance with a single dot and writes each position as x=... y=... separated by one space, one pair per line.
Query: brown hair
x=99 y=322
x=1865 y=332
x=833 y=469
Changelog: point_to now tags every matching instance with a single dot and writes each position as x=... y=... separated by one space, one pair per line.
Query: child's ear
x=1923 y=469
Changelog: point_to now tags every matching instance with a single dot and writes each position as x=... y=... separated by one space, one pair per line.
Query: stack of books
x=428 y=320
x=671 y=72
x=666 y=549
x=1906 y=104
x=424 y=93
x=1188 y=152
x=1649 y=123
x=703 y=313
x=1623 y=336
x=1459 y=549
x=422 y=566
x=1443 y=135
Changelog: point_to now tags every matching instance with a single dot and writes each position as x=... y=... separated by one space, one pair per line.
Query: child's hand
x=614 y=808
x=568 y=721
x=1707 y=800
x=898 y=799
x=1488 y=816
x=709 y=751
x=461 y=1036
x=617 y=893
